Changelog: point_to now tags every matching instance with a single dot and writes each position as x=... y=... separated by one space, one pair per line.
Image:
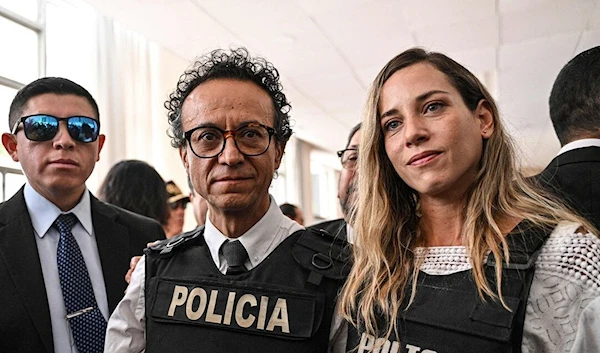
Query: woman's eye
x=433 y=107
x=391 y=125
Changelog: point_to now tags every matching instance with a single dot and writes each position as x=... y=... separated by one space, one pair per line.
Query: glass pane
x=278 y=189
x=13 y=184
x=316 y=195
x=20 y=63
x=25 y=8
x=6 y=96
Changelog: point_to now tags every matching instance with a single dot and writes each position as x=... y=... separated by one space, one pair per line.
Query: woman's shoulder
x=565 y=285
x=571 y=253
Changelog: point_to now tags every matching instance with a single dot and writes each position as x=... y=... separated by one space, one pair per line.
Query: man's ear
x=10 y=144
x=279 y=150
x=183 y=154
x=101 y=140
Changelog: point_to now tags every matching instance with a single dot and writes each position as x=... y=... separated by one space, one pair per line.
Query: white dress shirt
x=579 y=144
x=43 y=213
x=127 y=327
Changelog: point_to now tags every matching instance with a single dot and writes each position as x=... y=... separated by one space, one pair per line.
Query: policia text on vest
x=369 y=343
x=222 y=304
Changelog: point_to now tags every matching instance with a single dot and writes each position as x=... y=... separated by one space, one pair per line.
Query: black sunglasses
x=177 y=204
x=43 y=127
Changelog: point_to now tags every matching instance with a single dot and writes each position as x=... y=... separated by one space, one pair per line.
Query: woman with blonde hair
x=448 y=233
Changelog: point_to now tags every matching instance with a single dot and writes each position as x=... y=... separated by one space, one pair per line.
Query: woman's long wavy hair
x=385 y=217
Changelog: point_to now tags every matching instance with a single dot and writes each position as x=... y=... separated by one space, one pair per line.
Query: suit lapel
x=113 y=246
x=18 y=249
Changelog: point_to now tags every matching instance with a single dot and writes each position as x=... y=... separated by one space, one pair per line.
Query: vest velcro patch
x=235 y=306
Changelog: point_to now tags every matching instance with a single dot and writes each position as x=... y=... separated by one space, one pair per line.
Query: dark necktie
x=236 y=256
x=86 y=321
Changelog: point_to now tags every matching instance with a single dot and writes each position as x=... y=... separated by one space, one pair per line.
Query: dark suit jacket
x=575 y=176
x=24 y=313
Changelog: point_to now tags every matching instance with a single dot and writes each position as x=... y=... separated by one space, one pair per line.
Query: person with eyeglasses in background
x=62 y=251
x=346 y=188
x=177 y=203
x=251 y=280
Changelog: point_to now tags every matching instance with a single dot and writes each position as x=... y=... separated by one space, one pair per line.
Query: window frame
x=39 y=27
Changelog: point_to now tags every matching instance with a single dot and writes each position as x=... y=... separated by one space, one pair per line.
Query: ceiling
x=329 y=51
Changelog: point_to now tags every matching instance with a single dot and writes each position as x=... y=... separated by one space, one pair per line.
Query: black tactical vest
x=285 y=304
x=448 y=315
x=336 y=228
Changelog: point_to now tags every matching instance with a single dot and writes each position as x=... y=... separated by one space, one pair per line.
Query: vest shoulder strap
x=168 y=246
x=323 y=255
x=524 y=244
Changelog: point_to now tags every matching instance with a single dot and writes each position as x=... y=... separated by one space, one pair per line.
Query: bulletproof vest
x=336 y=228
x=285 y=304
x=447 y=314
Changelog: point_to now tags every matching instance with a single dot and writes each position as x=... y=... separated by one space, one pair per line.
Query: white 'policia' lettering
x=371 y=344
x=234 y=309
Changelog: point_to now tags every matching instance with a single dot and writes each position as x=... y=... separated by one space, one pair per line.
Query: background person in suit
x=37 y=252
x=575 y=113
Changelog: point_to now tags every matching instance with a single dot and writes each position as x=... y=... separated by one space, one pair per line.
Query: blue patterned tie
x=88 y=325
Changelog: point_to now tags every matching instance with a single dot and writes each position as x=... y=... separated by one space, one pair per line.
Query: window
x=22 y=61
x=29 y=9
x=278 y=185
x=324 y=176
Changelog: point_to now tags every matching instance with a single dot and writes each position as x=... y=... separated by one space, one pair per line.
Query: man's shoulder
x=335 y=228
x=177 y=243
x=565 y=166
x=12 y=208
x=589 y=154
x=124 y=217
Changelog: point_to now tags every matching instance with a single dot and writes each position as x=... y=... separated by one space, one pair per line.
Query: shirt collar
x=579 y=144
x=258 y=239
x=43 y=213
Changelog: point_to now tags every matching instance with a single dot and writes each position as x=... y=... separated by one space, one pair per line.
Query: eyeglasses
x=43 y=127
x=349 y=158
x=251 y=139
x=178 y=204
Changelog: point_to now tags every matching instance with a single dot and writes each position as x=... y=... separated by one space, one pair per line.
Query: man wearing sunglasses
x=62 y=252
x=251 y=280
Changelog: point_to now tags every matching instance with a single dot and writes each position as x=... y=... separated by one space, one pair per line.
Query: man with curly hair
x=250 y=280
